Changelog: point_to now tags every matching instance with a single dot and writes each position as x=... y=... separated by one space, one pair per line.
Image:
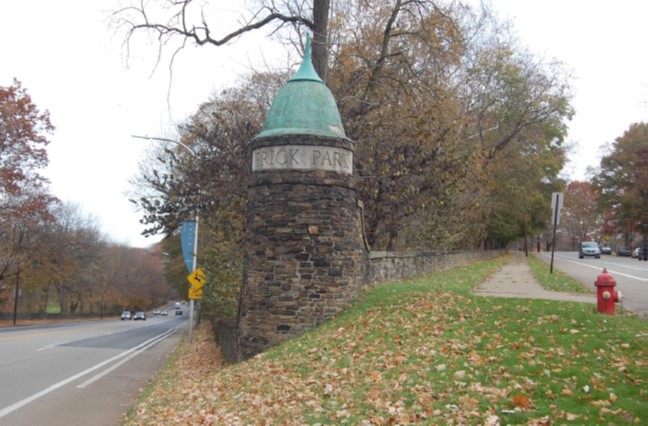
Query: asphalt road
x=631 y=275
x=81 y=373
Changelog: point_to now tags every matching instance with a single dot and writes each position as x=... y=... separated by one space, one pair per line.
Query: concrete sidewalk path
x=515 y=279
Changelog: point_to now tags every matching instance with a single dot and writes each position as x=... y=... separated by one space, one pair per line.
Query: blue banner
x=187 y=238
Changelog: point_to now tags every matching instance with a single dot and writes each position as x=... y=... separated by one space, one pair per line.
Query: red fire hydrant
x=606 y=295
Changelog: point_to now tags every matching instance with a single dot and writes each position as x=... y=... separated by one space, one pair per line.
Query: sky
x=75 y=66
x=604 y=45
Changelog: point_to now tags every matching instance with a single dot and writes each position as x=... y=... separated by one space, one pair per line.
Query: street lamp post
x=194 y=263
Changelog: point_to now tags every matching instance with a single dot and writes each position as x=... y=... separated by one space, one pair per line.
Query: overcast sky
x=604 y=45
x=73 y=65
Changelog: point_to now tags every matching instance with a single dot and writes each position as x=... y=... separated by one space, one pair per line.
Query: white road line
x=34 y=397
x=128 y=358
x=51 y=345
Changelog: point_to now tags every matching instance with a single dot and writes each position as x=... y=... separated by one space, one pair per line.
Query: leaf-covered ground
x=421 y=352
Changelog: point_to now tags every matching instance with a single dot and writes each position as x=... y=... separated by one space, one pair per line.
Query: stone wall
x=393 y=266
x=383 y=267
x=226 y=336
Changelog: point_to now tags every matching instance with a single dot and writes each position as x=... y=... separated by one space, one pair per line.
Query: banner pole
x=193 y=269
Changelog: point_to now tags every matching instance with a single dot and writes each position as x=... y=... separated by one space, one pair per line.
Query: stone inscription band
x=302 y=157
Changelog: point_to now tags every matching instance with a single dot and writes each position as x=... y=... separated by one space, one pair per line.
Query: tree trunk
x=526 y=240
x=44 y=298
x=62 y=300
x=320 y=37
x=393 y=233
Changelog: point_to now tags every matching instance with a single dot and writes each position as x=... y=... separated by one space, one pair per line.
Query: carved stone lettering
x=302 y=157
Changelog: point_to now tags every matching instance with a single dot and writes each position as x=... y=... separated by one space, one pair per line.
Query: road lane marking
x=41 y=334
x=141 y=349
x=15 y=406
x=51 y=345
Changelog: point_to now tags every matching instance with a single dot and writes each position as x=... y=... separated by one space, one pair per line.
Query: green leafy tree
x=623 y=181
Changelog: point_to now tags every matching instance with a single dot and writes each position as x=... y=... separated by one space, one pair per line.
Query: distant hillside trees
x=56 y=256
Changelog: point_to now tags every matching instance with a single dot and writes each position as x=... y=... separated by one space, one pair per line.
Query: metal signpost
x=556 y=205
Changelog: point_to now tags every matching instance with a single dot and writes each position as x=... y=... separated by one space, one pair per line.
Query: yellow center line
x=23 y=336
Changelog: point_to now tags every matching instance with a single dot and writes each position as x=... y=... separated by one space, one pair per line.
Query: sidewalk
x=515 y=279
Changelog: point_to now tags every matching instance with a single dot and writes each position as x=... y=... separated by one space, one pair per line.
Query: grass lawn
x=423 y=351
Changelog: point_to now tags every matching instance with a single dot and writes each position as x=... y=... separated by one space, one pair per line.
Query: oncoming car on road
x=589 y=248
x=126 y=315
x=140 y=316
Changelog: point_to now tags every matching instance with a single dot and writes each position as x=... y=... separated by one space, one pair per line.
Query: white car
x=589 y=248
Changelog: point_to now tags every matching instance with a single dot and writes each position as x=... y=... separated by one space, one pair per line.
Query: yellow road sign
x=195 y=293
x=197 y=279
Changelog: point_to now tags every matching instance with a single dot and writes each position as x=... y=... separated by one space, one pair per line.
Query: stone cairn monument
x=305 y=257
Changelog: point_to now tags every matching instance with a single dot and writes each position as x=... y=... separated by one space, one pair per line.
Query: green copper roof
x=304 y=106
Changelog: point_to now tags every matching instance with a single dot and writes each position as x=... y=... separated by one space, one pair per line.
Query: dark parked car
x=140 y=316
x=642 y=253
x=624 y=251
x=606 y=250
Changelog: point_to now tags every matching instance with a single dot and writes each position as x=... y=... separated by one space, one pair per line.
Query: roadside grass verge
x=556 y=281
x=422 y=351
x=170 y=377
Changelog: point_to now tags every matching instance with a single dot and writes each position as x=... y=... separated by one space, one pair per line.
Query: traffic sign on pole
x=557 y=199
x=195 y=293
x=197 y=279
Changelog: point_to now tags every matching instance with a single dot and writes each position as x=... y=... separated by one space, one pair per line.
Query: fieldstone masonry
x=305 y=257
x=305 y=254
x=384 y=267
